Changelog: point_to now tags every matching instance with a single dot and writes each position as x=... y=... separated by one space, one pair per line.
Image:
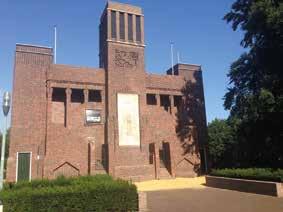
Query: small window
x=77 y=96
x=138 y=28
x=58 y=95
x=151 y=153
x=113 y=24
x=94 y=96
x=58 y=109
x=165 y=102
x=130 y=27
x=122 y=26
x=151 y=99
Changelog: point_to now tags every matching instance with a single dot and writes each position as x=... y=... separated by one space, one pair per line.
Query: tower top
x=124 y=7
x=121 y=24
x=121 y=7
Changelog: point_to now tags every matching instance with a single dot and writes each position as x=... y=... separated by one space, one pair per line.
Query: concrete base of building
x=142 y=202
x=250 y=186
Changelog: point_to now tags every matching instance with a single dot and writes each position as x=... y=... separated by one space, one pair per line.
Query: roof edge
x=33 y=45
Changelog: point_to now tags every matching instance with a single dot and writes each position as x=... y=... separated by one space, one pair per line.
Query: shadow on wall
x=191 y=122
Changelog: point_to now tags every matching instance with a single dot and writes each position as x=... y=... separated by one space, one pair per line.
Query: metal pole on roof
x=178 y=57
x=55 y=43
x=172 y=58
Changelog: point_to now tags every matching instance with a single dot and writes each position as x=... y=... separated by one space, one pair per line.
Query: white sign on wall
x=128 y=119
x=93 y=116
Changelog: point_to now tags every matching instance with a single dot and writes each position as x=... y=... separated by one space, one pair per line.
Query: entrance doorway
x=164 y=156
x=23 y=166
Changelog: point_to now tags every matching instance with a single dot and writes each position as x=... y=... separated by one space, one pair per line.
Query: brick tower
x=122 y=57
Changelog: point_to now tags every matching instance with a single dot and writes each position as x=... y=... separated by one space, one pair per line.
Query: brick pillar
x=118 y=25
x=42 y=150
x=85 y=96
x=172 y=160
x=157 y=100
x=142 y=29
x=111 y=146
x=126 y=27
x=49 y=105
x=68 y=104
x=49 y=98
x=109 y=23
x=103 y=96
x=143 y=124
x=134 y=28
x=171 y=98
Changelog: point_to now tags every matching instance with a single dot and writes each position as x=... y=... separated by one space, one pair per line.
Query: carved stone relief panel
x=126 y=59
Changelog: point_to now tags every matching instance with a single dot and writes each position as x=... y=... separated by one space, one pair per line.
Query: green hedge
x=91 y=193
x=251 y=173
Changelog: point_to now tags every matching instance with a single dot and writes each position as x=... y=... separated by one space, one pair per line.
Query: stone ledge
x=142 y=202
x=250 y=186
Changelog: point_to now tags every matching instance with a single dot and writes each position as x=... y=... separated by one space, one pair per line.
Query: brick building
x=116 y=119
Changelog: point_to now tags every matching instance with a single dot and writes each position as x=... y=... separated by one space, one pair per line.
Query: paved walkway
x=167 y=196
x=211 y=200
x=178 y=183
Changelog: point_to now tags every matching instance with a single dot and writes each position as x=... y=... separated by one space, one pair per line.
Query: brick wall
x=28 y=124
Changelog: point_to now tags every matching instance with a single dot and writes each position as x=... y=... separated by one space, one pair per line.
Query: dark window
x=77 y=96
x=177 y=101
x=104 y=156
x=59 y=95
x=138 y=28
x=162 y=159
x=113 y=24
x=165 y=102
x=130 y=27
x=94 y=96
x=151 y=99
x=164 y=155
x=59 y=110
x=151 y=153
x=122 y=26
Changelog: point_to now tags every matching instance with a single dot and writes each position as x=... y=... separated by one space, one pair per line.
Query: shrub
x=264 y=174
x=90 y=193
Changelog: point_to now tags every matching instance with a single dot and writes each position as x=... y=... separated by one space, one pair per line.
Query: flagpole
x=55 y=44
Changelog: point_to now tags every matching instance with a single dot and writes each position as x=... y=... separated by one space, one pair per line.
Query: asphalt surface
x=211 y=200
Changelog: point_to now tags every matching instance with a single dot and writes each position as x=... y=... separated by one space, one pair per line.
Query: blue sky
x=195 y=27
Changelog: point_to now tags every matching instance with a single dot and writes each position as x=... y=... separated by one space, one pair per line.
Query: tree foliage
x=222 y=143
x=255 y=92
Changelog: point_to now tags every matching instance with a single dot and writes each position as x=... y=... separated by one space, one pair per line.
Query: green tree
x=222 y=143
x=255 y=94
